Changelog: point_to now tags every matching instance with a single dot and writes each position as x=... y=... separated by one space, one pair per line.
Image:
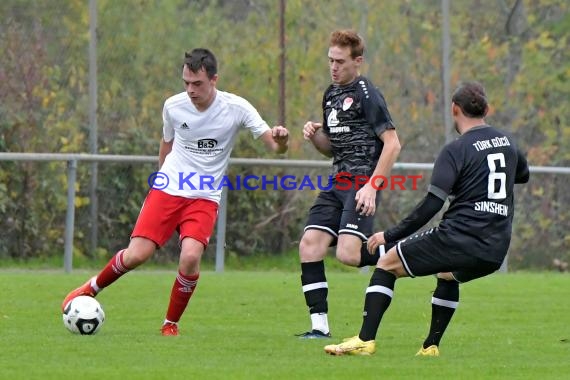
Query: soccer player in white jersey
x=199 y=130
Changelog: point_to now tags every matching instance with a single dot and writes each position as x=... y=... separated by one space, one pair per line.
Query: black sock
x=378 y=297
x=315 y=287
x=443 y=304
x=367 y=259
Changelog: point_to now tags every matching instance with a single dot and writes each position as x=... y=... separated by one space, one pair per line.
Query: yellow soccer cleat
x=430 y=351
x=352 y=346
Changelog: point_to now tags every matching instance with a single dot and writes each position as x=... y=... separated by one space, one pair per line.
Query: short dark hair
x=471 y=98
x=348 y=38
x=199 y=59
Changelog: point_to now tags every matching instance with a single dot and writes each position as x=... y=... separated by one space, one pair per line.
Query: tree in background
x=519 y=50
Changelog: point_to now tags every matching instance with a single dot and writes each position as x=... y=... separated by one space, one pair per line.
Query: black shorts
x=334 y=212
x=432 y=251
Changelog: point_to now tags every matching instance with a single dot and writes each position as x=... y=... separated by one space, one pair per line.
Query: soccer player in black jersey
x=358 y=133
x=477 y=172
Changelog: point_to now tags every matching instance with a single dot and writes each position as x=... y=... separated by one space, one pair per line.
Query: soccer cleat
x=169 y=329
x=83 y=290
x=352 y=346
x=430 y=351
x=314 y=334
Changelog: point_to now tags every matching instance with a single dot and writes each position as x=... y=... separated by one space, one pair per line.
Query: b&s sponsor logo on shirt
x=206 y=147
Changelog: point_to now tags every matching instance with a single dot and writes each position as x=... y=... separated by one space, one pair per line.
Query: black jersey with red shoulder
x=478 y=172
x=354 y=116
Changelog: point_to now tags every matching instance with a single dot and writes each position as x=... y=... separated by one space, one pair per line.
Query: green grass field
x=240 y=325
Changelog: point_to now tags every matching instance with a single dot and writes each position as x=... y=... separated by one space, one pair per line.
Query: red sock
x=114 y=269
x=182 y=290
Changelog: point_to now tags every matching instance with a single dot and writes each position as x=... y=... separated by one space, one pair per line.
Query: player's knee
x=311 y=249
x=189 y=263
x=132 y=258
x=390 y=262
x=447 y=276
x=139 y=251
x=347 y=256
x=304 y=246
x=343 y=256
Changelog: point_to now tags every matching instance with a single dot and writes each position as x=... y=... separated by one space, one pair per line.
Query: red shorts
x=162 y=214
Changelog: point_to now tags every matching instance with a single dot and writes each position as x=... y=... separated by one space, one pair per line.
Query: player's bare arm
x=276 y=140
x=313 y=132
x=366 y=196
x=165 y=148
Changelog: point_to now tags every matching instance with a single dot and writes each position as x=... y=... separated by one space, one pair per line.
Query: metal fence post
x=70 y=216
x=221 y=231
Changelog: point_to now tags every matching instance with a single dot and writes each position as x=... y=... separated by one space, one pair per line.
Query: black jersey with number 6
x=478 y=172
x=354 y=116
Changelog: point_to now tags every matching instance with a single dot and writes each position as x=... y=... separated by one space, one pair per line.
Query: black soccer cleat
x=314 y=334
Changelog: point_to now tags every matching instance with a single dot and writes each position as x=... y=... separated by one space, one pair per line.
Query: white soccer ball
x=83 y=315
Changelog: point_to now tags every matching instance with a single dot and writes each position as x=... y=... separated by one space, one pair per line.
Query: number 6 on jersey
x=494 y=176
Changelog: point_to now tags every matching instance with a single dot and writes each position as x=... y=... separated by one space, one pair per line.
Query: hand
x=310 y=128
x=280 y=135
x=366 y=200
x=375 y=241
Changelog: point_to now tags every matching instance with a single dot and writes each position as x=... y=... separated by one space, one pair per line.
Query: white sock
x=382 y=250
x=94 y=284
x=320 y=322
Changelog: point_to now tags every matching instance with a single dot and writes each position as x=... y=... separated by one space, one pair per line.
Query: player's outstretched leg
x=444 y=301
x=114 y=269
x=377 y=300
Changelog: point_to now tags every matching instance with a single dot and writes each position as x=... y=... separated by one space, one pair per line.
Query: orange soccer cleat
x=83 y=290
x=169 y=329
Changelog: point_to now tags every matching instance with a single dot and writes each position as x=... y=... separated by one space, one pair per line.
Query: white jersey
x=203 y=142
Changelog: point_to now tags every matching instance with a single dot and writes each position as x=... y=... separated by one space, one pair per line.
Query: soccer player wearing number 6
x=478 y=172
